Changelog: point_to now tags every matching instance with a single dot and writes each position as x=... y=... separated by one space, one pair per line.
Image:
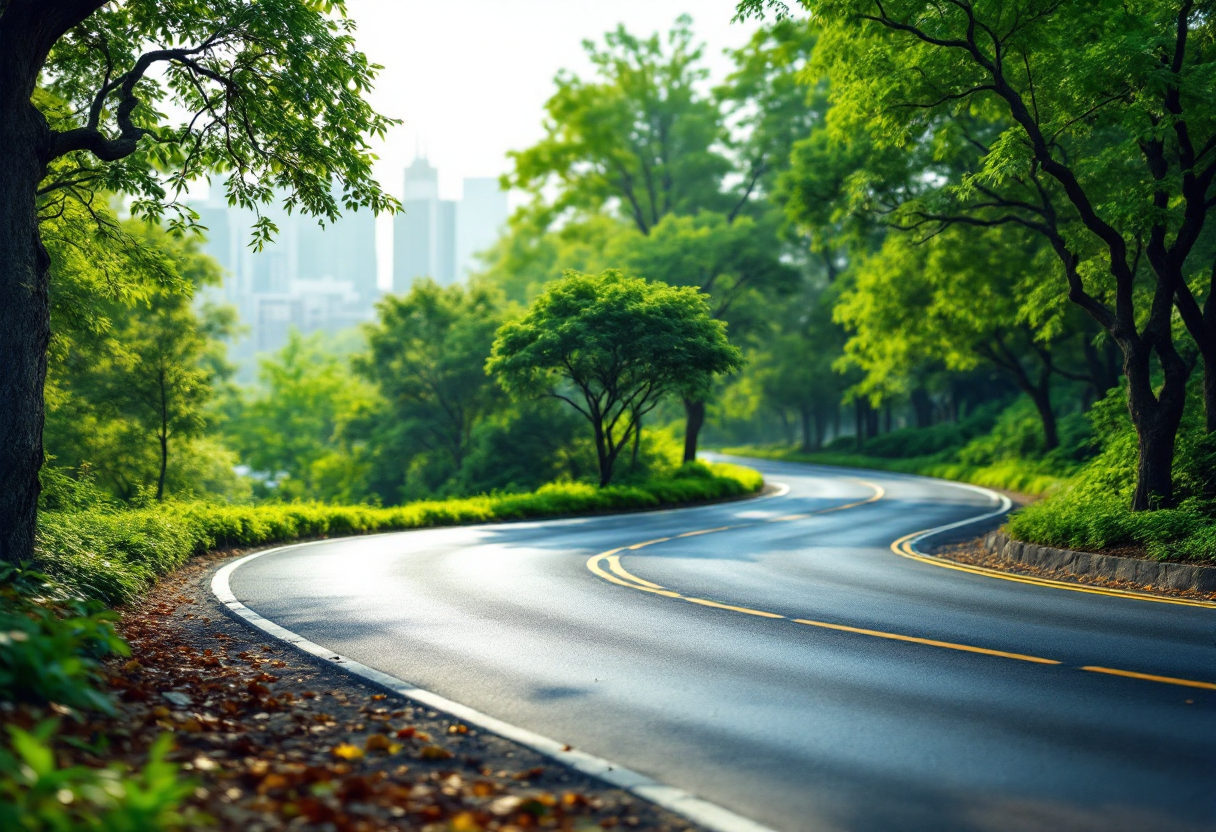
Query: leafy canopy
x=612 y=346
x=427 y=354
x=640 y=137
x=271 y=95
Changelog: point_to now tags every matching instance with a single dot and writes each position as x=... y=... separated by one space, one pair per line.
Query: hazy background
x=469 y=79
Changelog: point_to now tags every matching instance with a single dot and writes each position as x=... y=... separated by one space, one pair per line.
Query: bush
x=1094 y=512
x=114 y=555
x=37 y=795
x=51 y=642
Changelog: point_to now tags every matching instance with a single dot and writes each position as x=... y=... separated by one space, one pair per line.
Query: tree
x=427 y=354
x=769 y=107
x=736 y=264
x=612 y=347
x=272 y=95
x=134 y=364
x=959 y=298
x=291 y=427
x=640 y=138
x=1106 y=146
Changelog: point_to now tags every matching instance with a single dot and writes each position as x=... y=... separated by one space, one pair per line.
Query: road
x=912 y=698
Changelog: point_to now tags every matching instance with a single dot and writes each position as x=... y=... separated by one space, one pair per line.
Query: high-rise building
x=344 y=250
x=310 y=277
x=480 y=216
x=424 y=234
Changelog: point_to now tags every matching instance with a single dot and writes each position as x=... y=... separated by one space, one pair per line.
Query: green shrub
x=51 y=642
x=115 y=555
x=38 y=796
x=1094 y=512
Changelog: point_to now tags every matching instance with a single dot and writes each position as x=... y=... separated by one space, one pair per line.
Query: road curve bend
x=779 y=658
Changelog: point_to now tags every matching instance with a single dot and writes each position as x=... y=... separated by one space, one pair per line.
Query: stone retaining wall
x=1143 y=572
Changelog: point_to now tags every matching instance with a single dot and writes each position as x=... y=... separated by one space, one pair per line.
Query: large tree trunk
x=694 y=418
x=603 y=457
x=804 y=413
x=24 y=323
x=1156 y=418
x=1209 y=393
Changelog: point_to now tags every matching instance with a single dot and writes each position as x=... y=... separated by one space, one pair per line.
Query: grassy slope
x=1007 y=474
x=115 y=555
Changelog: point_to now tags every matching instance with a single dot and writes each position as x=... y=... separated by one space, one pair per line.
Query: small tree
x=612 y=347
x=427 y=353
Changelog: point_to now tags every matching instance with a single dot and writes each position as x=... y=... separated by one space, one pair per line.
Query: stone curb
x=1143 y=572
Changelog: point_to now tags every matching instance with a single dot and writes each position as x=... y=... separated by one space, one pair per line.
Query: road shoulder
x=277 y=739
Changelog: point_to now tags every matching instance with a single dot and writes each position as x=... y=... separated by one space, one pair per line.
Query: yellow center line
x=619 y=575
x=949 y=645
x=649 y=543
x=745 y=610
x=614 y=564
x=1168 y=680
x=706 y=531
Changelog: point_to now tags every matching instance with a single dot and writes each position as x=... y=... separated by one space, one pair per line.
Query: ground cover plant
x=114 y=554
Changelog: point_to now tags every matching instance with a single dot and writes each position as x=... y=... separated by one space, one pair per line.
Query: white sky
x=469 y=78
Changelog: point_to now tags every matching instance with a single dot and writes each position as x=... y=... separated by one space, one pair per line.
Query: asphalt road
x=799 y=726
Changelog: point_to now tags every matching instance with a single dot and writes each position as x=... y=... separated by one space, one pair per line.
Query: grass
x=1007 y=474
x=115 y=554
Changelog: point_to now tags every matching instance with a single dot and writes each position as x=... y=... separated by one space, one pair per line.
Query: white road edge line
x=707 y=814
x=1004 y=502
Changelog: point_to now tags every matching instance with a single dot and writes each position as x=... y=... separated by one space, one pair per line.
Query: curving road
x=911 y=697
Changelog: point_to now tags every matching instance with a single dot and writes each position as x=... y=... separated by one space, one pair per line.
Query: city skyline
x=325 y=277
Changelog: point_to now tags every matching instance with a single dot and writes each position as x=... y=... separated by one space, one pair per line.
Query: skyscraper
x=480 y=217
x=424 y=235
x=310 y=278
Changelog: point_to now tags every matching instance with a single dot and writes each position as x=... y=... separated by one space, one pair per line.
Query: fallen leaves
x=346 y=751
x=303 y=748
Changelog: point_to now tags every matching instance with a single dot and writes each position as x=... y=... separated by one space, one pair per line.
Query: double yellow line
x=904 y=548
x=607 y=565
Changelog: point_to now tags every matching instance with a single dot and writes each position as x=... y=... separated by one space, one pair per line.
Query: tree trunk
x=922 y=406
x=804 y=413
x=1209 y=394
x=637 y=441
x=1156 y=419
x=1041 y=397
x=694 y=413
x=164 y=464
x=24 y=324
x=602 y=456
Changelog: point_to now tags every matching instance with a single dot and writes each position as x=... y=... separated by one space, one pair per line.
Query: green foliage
x=1093 y=512
x=116 y=555
x=293 y=427
x=36 y=795
x=640 y=136
x=928 y=441
x=427 y=355
x=51 y=641
x=271 y=93
x=735 y=263
x=612 y=347
x=134 y=363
